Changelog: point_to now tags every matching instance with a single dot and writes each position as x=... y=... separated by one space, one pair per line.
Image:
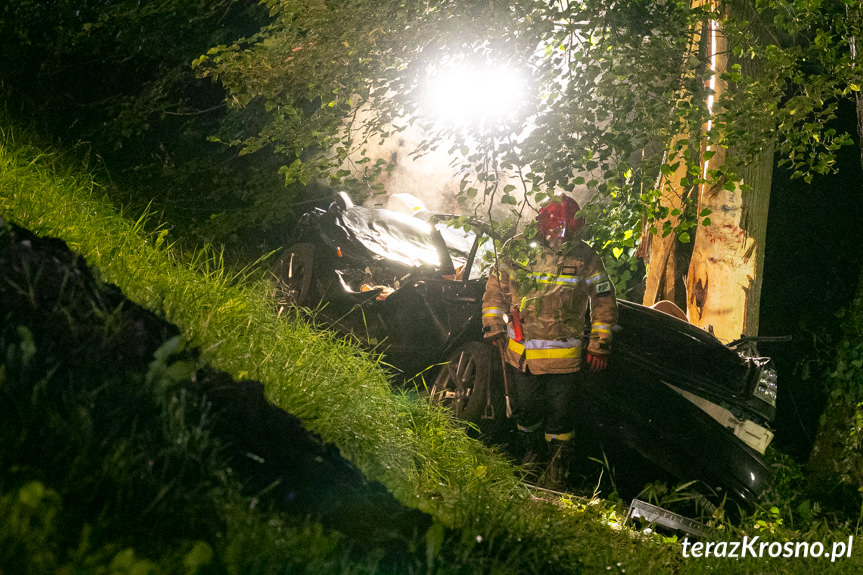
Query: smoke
x=434 y=177
x=429 y=177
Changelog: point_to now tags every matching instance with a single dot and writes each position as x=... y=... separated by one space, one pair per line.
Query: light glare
x=472 y=93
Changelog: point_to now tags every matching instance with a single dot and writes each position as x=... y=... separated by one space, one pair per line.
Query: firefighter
x=534 y=311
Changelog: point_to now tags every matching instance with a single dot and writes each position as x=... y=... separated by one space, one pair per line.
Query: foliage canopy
x=612 y=89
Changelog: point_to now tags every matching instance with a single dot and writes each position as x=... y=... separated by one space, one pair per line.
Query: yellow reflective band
x=596 y=278
x=556 y=280
x=553 y=353
x=515 y=346
x=560 y=436
x=492 y=311
x=600 y=328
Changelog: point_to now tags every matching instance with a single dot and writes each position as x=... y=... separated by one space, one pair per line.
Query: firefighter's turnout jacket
x=552 y=296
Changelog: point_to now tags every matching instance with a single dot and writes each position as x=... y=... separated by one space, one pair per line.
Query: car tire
x=294 y=270
x=463 y=385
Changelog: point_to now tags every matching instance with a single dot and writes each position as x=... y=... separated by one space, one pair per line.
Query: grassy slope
x=119 y=449
x=336 y=390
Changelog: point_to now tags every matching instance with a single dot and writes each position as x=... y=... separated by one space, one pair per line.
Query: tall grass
x=309 y=372
x=484 y=515
x=337 y=390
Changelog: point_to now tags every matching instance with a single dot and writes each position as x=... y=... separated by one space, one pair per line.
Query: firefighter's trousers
x=545 y=403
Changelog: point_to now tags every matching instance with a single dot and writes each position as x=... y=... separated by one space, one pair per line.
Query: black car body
x=677 y=396
x=377 y=274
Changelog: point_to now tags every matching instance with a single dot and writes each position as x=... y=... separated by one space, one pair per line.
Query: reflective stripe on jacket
x=558 y=290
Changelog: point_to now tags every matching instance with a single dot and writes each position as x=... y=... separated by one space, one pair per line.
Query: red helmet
x=557 y=218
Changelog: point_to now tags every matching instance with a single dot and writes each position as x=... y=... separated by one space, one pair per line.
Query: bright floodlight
x=473 y=93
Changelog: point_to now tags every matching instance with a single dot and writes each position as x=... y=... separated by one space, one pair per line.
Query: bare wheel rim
x=294 y=273
x=294 y=276
x=454 y=385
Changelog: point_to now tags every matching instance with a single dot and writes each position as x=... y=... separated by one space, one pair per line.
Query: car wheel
x=465 y=381
x=293 y=270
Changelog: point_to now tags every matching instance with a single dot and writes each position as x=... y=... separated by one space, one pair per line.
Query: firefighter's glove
x=497 y=339
x=597 y=362
x=494 y=335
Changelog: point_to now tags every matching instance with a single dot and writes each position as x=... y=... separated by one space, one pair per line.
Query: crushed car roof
x=402 y=238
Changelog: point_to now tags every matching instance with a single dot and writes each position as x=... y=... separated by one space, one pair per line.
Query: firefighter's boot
x=533 y=450
x=558 y=471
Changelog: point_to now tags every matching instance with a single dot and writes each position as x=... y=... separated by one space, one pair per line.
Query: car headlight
x=765 y=390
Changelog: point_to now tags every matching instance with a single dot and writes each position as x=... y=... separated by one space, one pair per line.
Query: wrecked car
x=407 y=285
x=411 y=285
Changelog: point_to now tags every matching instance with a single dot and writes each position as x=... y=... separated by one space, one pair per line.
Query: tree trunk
x=723 y=276
x=724 y=279
x=855 y=17
x=666 y=257
x=666 y=277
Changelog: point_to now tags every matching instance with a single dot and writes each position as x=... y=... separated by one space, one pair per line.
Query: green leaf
x=434 y=541
x=199 y=556
x=705 y=222
x=28 y=346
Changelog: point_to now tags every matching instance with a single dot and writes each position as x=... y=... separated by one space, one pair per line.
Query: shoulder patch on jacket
x=603 y=288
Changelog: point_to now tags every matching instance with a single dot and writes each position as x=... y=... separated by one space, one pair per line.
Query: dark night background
x=811 y=271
